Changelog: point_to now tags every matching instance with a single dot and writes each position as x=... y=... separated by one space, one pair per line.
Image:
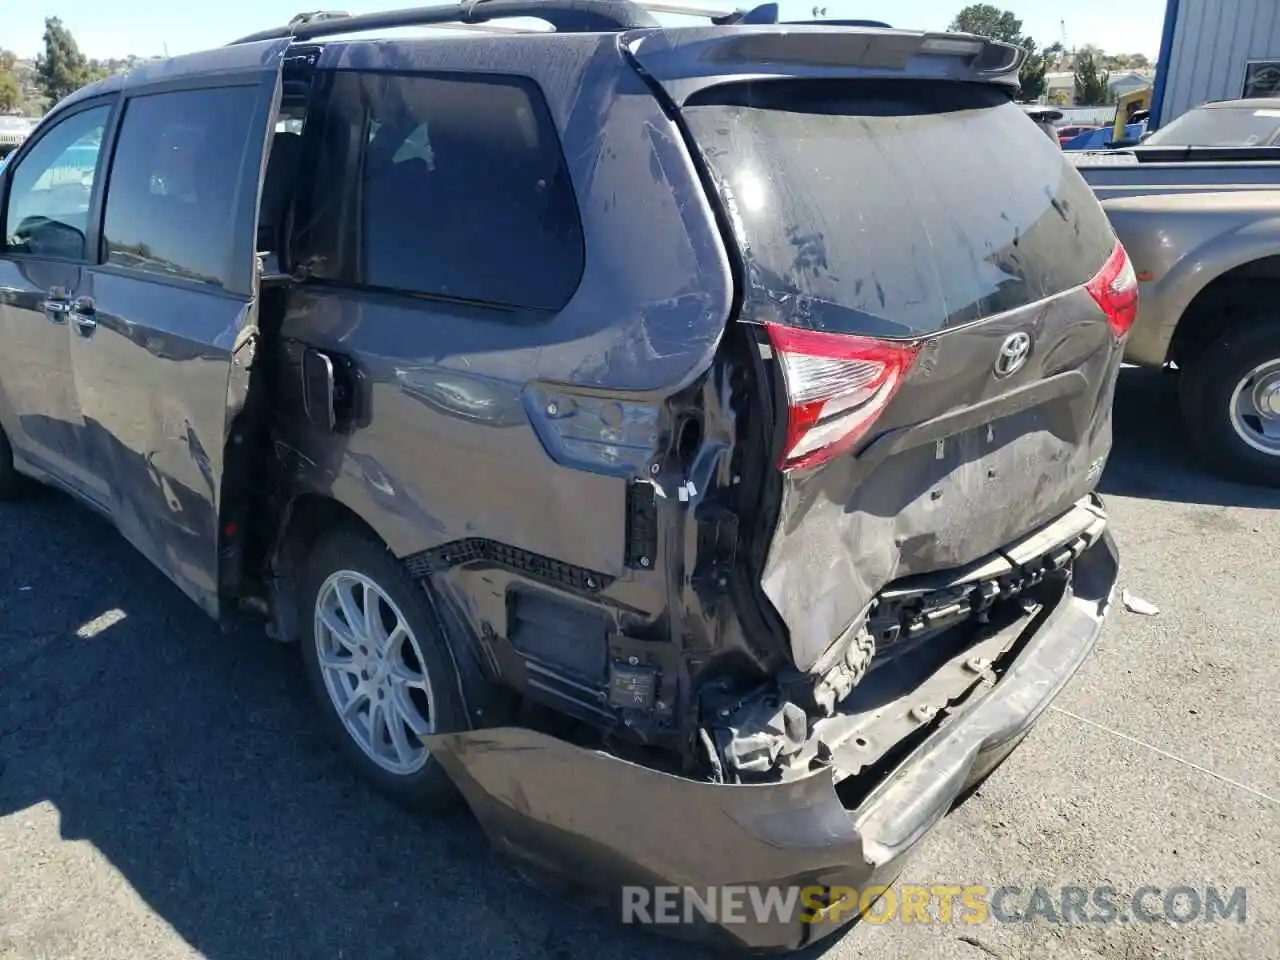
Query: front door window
x=48 y=210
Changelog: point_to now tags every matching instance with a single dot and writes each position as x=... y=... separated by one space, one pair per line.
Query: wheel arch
x=306 y=517
x=303 y=519
x=1224 y=302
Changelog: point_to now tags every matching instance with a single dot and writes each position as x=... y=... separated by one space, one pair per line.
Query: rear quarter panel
x=645 y=320
x=1182 y=242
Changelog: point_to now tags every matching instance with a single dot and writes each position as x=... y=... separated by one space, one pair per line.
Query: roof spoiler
x=697 y=59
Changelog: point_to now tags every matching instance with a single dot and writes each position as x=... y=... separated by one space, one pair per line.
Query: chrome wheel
x=1255 y=408
x=374 y=671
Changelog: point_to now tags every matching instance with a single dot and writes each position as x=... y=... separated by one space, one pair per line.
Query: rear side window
x=894 y=208
x=171 y=196
x=445 y=185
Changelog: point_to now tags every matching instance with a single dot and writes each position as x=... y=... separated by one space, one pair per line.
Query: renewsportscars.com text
x=937 y=903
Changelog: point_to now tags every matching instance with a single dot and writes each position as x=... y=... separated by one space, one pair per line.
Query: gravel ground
x=164 y=794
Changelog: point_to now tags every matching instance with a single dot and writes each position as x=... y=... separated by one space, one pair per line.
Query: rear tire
x=378 y=683
x=10 y=479
x=1230 y=398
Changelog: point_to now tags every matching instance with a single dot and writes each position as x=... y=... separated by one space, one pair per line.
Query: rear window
x=1220 y=127
x=894 y=208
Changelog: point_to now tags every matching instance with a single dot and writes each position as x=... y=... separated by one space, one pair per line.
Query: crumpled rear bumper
x=594 y=823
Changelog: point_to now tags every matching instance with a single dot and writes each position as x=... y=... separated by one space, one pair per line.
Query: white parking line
x=99 y=624
x=1165 y=753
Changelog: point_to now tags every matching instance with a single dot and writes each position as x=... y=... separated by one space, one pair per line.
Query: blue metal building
x=1216 y=50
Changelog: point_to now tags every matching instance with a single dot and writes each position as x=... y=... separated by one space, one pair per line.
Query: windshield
x=894 y=208
x=1220 y=127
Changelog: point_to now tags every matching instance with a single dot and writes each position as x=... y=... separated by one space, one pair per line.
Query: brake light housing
x=1115 y=289
x=837 y=387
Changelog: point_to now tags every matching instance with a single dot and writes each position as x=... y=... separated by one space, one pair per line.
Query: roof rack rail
x=764 y=13
x=566 y=16
x=569 y=16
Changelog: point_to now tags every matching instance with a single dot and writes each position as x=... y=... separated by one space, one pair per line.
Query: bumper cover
x=592 y=823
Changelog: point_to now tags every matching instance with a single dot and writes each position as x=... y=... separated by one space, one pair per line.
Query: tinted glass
x=1220 y=127
x=171 y=196
x=48 y=209
x=461 y=191
x=894 y=208
x=1262 y=79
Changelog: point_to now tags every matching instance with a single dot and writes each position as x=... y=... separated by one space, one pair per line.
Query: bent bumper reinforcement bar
x=592 y=824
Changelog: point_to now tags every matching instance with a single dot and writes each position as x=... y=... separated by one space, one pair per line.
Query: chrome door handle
x=82 y=311
x=56 y=310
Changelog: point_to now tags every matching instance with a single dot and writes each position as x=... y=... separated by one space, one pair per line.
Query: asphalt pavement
x=165 y=793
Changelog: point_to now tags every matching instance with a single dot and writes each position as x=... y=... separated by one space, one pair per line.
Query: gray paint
x=1212 y=43
x=445 y=451
x=769 y=836
x=132 y=413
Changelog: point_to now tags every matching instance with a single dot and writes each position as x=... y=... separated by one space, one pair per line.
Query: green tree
x=987 y=20
x=62 y=68
x=1032 y=75
x=10 y=85
x=1053 y=55
x=10 y=91
x=1092 y=82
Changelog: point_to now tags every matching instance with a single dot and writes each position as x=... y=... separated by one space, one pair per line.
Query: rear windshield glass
x=894 y=208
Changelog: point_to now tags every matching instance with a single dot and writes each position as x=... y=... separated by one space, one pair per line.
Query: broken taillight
x=1116 y=290
x=837 y=385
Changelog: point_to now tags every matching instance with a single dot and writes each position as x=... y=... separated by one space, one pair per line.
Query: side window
x=171 y=196
x=448 y=185
x=48 y=209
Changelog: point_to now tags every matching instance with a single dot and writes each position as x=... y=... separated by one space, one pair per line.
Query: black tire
x=344 y=548
x=1208 y=381
x=10 y=479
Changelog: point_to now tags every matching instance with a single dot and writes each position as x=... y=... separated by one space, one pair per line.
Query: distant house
x=1061 y=87
x=1129 y=81
x=13 y=130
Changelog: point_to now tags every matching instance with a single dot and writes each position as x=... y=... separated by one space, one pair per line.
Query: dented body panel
x=1001 y=458
x=454 y=397
x=807 y=664
x=798 y=834
x=158 y=365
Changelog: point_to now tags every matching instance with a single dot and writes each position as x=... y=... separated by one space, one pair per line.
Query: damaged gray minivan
x=680 y=443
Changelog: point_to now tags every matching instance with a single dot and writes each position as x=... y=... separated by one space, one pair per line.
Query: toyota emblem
x=1013 y=355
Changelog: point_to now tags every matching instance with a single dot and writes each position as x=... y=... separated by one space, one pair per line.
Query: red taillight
x=837 y=386
x=1116 y=290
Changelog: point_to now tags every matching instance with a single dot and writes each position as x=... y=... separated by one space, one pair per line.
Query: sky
x=117 y=28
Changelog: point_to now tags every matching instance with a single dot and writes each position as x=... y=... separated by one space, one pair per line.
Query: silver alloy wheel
x=374 y=671
x=1255 y=408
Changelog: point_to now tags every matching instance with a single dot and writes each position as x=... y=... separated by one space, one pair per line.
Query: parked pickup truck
x=1204 y=236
